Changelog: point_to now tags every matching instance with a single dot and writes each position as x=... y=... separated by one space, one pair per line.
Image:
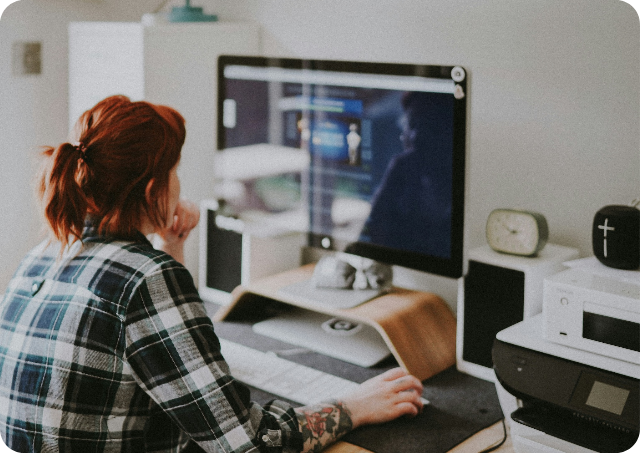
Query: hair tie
x=82 y=149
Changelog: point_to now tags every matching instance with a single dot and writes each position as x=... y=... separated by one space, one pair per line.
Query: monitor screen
x=368 y=158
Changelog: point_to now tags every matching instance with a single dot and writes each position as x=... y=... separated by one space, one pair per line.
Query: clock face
x=516 y=232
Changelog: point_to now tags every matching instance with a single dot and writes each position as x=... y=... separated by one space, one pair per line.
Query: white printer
x=562 y=399
x=594 y=308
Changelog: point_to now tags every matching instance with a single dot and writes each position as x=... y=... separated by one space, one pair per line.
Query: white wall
x=554 y=106
x=33 y=109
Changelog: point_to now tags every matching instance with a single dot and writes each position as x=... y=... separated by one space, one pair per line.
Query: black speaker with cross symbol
x=616 y=236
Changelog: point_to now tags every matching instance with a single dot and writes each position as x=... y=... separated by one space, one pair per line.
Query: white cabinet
x=166 y=63
x=105 y=58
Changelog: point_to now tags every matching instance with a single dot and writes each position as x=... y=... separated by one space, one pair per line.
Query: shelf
x=418 y=327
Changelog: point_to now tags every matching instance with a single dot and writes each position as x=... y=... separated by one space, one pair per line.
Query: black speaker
x=494 y=300
x=223 y=255
x=616 y=236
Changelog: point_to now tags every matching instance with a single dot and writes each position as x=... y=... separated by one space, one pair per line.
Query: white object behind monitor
x=523 y=275
x=254 y=250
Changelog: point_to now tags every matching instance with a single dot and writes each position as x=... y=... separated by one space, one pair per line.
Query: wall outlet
x=27 y=58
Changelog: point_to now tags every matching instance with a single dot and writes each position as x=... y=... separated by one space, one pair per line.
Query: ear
x=152 y=202
x=147 y=192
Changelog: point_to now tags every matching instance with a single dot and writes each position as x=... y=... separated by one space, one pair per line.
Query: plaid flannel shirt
x=109 y=348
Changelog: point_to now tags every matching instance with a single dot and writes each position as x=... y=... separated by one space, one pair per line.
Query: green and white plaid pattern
x=109 y=348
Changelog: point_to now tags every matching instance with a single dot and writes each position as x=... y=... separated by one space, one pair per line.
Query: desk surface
x=461 y=405
x=482 y=440
x=486 y=438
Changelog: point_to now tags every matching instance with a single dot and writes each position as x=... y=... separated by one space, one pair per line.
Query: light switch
x=27 y=58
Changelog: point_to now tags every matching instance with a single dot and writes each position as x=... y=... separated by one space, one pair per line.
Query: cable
x=504 y=438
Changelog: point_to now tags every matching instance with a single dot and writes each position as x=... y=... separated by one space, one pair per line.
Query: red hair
x=117 y=173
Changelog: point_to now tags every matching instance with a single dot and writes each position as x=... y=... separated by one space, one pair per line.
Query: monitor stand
x=418 y=328
x=330 y=298
x=338 y=337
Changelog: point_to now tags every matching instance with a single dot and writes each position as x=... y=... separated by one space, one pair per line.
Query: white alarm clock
x=517 y=232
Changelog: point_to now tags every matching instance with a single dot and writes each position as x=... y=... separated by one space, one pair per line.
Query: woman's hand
x=171 y=239
x=185 y=218
x=387 y=396
x=380 y=399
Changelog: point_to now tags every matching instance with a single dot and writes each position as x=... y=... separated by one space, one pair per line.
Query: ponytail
x=124 y=148
x=64 y=202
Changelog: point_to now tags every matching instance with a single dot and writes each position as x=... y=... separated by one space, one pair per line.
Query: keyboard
x=284 y=378
x=279 y=376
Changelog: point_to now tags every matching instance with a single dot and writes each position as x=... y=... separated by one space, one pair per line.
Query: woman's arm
x=380 y=399
x=174 y=356
x=323 y=424
x=383 y=398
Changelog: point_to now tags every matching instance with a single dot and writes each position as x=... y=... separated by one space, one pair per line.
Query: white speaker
x=499 y=290
x=234 y=252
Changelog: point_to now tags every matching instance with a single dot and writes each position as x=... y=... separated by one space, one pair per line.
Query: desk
x=476 y=443
x=486 y=438
x=460 y=404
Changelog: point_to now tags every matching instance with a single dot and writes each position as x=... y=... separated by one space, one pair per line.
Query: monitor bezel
x=448 y=267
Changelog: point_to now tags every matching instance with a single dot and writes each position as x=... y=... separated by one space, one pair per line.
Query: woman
x=104 y=341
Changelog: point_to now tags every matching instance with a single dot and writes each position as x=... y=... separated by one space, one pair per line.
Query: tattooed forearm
x=322 y=424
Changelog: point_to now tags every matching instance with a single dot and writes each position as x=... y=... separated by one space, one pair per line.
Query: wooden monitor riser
x=418 y=327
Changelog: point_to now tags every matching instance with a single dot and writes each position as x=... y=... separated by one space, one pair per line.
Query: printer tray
x=567 y=426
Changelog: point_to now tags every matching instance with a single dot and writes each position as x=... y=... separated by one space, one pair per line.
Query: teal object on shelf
x=188 y=13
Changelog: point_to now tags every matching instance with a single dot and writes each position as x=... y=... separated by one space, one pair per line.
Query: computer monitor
x=367 y=158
